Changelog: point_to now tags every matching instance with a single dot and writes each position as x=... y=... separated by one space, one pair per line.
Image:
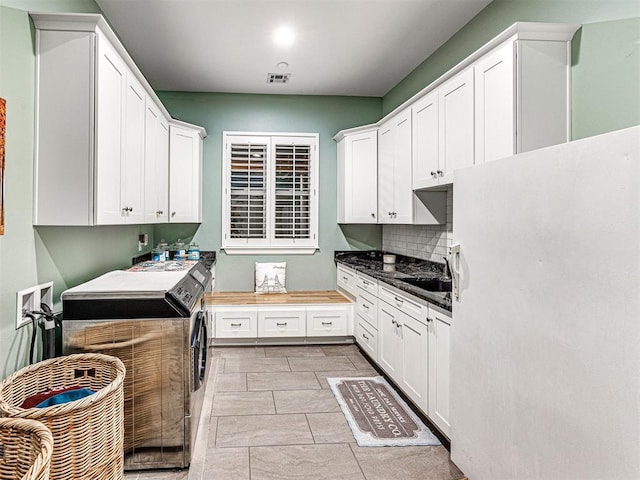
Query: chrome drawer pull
x=236 y=324
x=365 y=337
x=281 y=324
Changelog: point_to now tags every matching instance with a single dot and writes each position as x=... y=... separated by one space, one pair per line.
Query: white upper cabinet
x=109 y=133
x=358 y=177
x=98 y=123
x=394 y=167
x=511 y=95
x=397 y=203
x=426 y=141
x=443 y=132
x=521 y=98
x=156 y=166
x=185 y=172
x=132 y=174
x=455 y=101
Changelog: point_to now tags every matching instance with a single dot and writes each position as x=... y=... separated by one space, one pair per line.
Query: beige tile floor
x=268 y=414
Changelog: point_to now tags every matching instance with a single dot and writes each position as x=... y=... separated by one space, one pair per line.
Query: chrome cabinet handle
x=173 y=214
x=365 y=337
x=236 y=324
x=373 y=215
x=281 y=324
x=364 y=305
x=327 y=324
x=395 y=323
x=440 y=172
x=399 y=300
x=159 y=212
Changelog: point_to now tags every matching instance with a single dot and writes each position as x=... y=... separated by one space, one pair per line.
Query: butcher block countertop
x=302 y=297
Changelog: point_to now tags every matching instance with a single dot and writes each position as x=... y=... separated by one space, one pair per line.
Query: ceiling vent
x=278 y=77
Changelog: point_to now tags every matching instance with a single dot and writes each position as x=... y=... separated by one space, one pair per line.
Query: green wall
x=606 y=59
x=218 y=112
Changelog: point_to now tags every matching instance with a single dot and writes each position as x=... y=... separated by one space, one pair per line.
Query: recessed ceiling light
x=284 y=36
x=282 y=65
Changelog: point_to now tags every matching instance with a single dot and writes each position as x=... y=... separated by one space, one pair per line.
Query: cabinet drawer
x=236 y=323
x=367 y=308
x=367 y=284
x=323 y=322
x=367 y=338
x=346 y=279
x=282 y=323
x=406 y=303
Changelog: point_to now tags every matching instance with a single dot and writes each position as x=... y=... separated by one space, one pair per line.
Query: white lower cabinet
x=403 y=355
x=236 y=323
x=273 y=321
x=282 y=322
x=414 y=373
x=413 y=349
x=323 y=322
x=346 y=280
x=439 y=364
x=367 y=337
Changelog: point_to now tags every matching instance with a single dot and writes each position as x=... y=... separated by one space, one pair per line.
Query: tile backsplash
x=428 y=242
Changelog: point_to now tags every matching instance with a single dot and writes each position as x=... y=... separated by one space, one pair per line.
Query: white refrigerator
x=545 y=339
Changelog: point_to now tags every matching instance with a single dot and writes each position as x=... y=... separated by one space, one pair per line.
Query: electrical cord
x=50 y=322
x=34 y=330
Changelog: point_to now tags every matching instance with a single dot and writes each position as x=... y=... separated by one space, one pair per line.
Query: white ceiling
x=345 y=47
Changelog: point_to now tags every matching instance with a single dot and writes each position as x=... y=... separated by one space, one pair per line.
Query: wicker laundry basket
x=87 y=433
x=25 y=449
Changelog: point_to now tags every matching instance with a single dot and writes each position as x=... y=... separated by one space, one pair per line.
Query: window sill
x=270 y=250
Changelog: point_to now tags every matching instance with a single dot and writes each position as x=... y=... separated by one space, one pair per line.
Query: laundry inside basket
x=55 y=397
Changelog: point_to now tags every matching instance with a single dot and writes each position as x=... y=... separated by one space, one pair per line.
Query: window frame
x=270 y=244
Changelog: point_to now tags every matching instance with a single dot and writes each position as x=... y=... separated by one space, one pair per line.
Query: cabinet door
x=326 y=321
x=386 y=160
x=402 y=178
x=236 y=323
x=132 y=174
x=455 y=99
x=361 y=178
x=367 y=338
x=425 y=141
x=495 y=111
x=346 y=279
x=185 y=160
x=282 y=322
x=156 y=170
x=389 y=347
x=111 y=85
x=415 y=359
x=439 y=365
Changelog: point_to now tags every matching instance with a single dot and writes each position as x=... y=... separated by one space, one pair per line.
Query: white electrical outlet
x=26 y=300
x=46 y=295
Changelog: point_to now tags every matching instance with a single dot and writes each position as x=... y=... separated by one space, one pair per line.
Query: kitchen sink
x=429 y=284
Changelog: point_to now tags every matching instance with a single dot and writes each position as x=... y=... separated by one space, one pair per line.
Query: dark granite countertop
x=370 y=263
